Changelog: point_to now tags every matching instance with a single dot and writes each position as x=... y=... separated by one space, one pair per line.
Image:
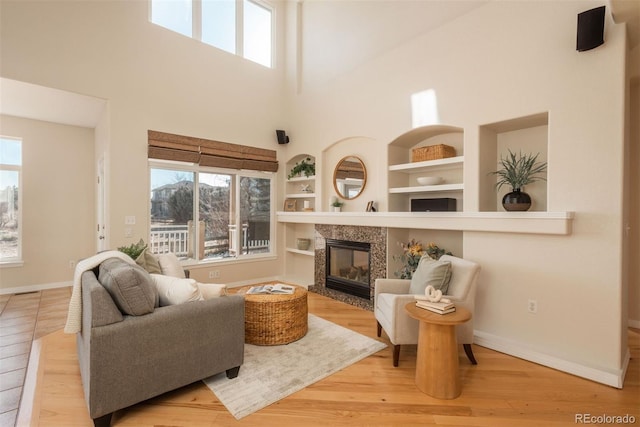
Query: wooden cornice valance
x=206 y=152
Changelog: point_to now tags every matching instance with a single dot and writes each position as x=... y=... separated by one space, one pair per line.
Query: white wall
x=498 y=62
x=152 y=78
x=57 y=201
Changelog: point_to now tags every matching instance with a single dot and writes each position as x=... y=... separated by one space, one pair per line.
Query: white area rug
x=270 y=373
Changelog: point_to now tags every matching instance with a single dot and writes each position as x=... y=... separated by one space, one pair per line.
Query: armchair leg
x=103 y=421
x=233 y=372
x=469 y=352
x=396 y=355
x=379 y=329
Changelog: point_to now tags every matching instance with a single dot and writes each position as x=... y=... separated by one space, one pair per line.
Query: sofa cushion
x=174 y=290
x=430 y=272
x=170 y=265
x=212 y=290
x=129 y=285
x=149 y=262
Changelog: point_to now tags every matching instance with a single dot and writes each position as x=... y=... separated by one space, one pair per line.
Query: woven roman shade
x=206 y=152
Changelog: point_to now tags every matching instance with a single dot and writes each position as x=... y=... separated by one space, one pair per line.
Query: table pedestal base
x=437 y=361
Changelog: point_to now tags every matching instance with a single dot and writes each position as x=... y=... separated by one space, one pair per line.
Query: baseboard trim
x=35 y=288
x=512 y=348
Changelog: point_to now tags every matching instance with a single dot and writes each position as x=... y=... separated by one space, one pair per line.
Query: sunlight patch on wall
x=424 y=108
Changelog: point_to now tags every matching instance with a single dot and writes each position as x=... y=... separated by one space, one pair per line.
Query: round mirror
x=349 y=177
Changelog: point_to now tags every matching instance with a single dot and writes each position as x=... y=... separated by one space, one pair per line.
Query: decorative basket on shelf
x=432 y=152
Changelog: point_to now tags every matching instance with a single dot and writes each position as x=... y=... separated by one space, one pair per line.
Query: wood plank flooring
x=500 y=391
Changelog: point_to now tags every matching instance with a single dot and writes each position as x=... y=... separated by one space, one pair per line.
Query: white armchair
x=391 y=296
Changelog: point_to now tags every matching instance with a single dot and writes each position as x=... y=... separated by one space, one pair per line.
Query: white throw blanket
x=74 y=316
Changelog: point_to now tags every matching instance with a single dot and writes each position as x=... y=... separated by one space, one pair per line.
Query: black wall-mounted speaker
x=282 y=137
x=590 y=29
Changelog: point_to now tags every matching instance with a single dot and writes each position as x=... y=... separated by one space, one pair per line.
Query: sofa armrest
x=392 y=286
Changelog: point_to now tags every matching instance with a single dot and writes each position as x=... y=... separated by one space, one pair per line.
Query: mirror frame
x=335 y=176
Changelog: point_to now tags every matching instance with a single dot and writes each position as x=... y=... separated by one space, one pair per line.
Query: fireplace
x=375 y=237
x=348 y=267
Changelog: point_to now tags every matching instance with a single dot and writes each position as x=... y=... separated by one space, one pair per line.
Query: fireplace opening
x=348 y=267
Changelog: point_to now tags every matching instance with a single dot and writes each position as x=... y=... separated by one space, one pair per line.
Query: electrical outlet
x=532 y=306
x=130 y=220
x=215 y=274
x=72 y=264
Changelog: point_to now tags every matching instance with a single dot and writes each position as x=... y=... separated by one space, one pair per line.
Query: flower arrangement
x=411 y=254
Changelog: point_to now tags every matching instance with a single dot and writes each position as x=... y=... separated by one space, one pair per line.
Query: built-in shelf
x=428 y=165
x=300 y=196
x=301 y=252
x=302 y=178
x=427 y=189
x=404 y=173
x=558 y=223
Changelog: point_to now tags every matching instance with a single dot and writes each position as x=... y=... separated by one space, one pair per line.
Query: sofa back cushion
x=129 y=285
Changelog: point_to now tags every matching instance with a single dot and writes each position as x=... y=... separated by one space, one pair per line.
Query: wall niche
x=528 y=134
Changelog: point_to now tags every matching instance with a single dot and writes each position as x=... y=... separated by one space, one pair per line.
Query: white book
x=442 y=305
x=436 y=310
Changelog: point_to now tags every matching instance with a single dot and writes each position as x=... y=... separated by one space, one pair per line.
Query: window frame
x=196 y=27
x=16 y=261
x=236 y=175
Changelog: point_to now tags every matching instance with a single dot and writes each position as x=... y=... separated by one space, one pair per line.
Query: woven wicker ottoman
x=274 y=319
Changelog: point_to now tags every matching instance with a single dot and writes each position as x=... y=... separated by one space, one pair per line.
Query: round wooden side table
x=274 y=319
x=437 y=371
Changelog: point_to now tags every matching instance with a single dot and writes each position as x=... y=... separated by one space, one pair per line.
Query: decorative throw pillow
x=174 y=290
x=129 y=285
x=149 y=262
x=212 y=290
x=170 y=265
x=430 y=272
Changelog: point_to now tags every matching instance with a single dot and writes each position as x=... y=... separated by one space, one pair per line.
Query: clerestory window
x=241 y=27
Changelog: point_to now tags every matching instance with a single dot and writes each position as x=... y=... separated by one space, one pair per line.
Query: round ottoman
x=274 y=319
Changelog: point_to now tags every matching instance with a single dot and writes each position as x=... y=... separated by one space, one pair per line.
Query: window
x=242 y=27
x=233 y=218
x=10 y=197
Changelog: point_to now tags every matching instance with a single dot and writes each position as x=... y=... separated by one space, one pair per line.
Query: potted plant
x=518 y=171
x=336 y=205
x=305 y=166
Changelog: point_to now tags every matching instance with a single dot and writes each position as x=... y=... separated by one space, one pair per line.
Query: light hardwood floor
x=500 y=391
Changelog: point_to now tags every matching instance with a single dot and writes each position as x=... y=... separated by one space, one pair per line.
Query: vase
x=516 y=201
x=303 y=244
x=335 y=208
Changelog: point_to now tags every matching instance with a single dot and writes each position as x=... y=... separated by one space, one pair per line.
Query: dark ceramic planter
x=516 y=201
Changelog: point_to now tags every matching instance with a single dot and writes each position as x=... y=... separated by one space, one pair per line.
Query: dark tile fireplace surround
x=375 y=236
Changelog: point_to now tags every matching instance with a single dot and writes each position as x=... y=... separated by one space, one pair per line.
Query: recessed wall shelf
x=427 y=189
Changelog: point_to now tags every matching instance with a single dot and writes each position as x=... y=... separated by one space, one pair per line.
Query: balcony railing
x=178 y=238
x=170 y=238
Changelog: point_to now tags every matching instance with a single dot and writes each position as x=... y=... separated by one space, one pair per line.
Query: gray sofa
x=126 y=359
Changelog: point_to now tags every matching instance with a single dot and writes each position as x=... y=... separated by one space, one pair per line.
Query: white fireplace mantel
x=500 y=222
